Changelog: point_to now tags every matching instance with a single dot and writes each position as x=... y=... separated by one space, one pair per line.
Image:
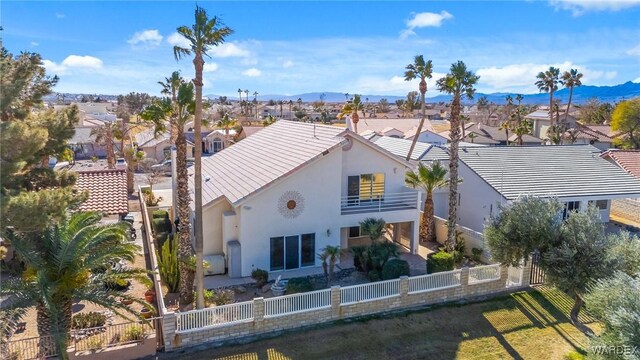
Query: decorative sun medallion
x=291 y=204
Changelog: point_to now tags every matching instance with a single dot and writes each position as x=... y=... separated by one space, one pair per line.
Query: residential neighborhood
x=205 y=182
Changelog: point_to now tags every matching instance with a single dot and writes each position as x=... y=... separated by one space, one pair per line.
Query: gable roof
x=276 y=151
x=250 y=130
x=629 y=160
x=562 y=171
x=148 y=137
x=107 y=191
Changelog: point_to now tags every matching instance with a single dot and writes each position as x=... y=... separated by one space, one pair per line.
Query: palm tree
x=429 y=179
x=472 y=136
x=458 y=82
x=506 y=126
x=570 y=79
x=159 y=113
x=290 y=106
x=269 y=120
x=331 y=253
x=346 y=96
x=203 y=34
x=170 y=87
x=66 y=262
x=548 y=82
x=352 y=108
x=226 y=123
x=280 y=103
x=463 y=128
x=373 y=227
x=104 y=135
x=423 y=70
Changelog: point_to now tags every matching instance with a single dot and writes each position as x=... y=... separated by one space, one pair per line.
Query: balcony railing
x=379 y=202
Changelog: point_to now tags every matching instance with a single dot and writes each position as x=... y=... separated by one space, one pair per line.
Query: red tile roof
x=629 y=160
x=107 y=191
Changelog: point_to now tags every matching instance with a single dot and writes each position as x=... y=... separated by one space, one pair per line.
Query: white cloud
x=228 y=50
x=253 y=72
x=146 y=38
x=637 y=80
x=210 y=67
x=176 y=39
x=287 y=64
x=428 y=19
x=523 y=76
x=77 y=61
x=60 y=15
x=579 y=7
x=395 y=85
x=634 y=51
x=33 y=43
x=53 y=68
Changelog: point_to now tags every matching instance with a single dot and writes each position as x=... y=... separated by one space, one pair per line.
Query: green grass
x=524 y=325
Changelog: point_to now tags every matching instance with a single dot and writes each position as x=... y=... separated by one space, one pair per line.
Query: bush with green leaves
x=440 y=261
x=374 y=275
x=357 y=252
x=133 y=333
x=160 y=214
x=299 y=285
x=260 y=276
x=373 y=227
x=88 y=320
x=375 y=256
x=394 y=269
x=476 y=254
x=168 y=265
x=459 y=247
x=218 y=297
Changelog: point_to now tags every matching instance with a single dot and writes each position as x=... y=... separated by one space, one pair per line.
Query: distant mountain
x=580 y=95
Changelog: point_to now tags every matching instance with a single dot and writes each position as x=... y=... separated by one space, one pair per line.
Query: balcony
x=405 y=200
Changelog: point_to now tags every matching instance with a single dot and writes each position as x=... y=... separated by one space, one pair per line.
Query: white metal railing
x=430 y=282
x=296 y=303
x=514 y=277
x=368 y=292
x=215 y=316
x=379 y=202
x=484 y=273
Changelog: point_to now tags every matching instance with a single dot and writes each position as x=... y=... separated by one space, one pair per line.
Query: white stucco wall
x=212 y=228
x=431 y=138
x=477 y=200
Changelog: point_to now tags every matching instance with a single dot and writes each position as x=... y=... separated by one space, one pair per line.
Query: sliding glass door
x=292 y=252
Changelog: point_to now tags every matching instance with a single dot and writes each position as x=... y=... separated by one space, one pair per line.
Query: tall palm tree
x=203 y=34
x=160 y=113
x=226 y=123
x=423 y=70
x=506 y=126
x=352 y=108
x=458 y=82
x=429 y=179
x=280 y=103
x=170 y=87
x=290 y=106
x=105 y=135
x=66 y=262
x=570 y=79
x=548 y=82
x=346 y=96
x=255 y=101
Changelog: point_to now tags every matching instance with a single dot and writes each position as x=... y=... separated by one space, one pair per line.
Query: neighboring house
x=625 y=211
x=426 y=136
x=402 y=125
x=600 y=136
x=575 y=174
x=217 y=140
x=247 y=131
x=155 y=146
x=276 y=199
x=491 y=135
x=541 y=122
x=107 y=187
x=84 y=145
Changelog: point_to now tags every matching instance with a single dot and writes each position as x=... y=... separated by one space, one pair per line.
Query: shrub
x=260 y=276
x=88 y=320
x=357 y=252
x=395 y=268
x=150 y=199
x=133 y=333
x=95 y=343
x=374 y=275
x=476 y=254
x=440 y=261
x=458 y=247
x=117 y=285
x=299 y=285
x=373 y=227
x=168 y=264
x=218 y=297
x=160 y=214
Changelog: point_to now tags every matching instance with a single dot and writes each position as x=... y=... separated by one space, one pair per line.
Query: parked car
x=165 y=166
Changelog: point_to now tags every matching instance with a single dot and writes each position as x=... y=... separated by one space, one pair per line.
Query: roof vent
x=206 y=179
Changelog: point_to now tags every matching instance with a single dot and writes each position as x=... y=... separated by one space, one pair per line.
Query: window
x=217 y=145
x=292 y=252
x=600 y=204
x=570 y=206
x=354 y=231
x=365 y=187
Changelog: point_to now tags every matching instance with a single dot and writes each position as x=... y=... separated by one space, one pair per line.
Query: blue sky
x=114 y=47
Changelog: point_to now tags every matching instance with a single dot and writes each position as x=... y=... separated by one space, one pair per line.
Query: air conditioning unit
x=216 y=265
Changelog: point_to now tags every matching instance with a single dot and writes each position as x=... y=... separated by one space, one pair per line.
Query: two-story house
x=275 y=199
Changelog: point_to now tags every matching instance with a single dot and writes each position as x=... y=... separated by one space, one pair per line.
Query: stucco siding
x=212 y=228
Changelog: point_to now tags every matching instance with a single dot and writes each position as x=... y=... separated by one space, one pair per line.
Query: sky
x=288 y=48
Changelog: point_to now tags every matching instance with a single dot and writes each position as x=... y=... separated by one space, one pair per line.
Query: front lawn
x=524 y=325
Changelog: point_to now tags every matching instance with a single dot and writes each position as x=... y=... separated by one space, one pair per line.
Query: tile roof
x=562 y=171
x=148 y=138
x=250 y=130
x=400 y=147
x=107 y=191
x=402 y=124
x=253 y=163
x=629 y=160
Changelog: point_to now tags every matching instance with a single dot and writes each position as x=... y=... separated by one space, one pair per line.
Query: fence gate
x=537 y=274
